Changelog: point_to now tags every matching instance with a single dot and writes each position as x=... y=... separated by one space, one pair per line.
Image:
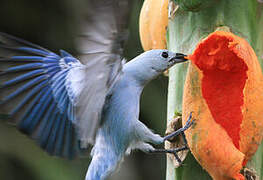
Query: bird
x=67 y=103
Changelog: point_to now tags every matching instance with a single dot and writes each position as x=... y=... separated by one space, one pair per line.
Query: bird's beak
x=179 y=57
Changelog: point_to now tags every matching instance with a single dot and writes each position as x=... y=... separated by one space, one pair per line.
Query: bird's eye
x=165 y=54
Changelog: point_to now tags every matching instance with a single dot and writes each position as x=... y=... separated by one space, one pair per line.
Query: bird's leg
x=173 y=151
x=184 y=140
x=147 y=135
x=188 y=124
x=173 y=134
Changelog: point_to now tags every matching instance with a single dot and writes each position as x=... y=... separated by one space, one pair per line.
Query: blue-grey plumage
x=121 y=130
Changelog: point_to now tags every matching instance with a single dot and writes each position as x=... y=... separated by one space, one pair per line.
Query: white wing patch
x=75 y=82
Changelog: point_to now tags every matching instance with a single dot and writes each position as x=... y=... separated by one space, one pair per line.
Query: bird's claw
x=184 y=146
x=188 y=124
x=172 y=151
x=175 y=151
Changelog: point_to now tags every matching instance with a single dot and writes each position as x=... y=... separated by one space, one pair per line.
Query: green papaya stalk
x=193 y=21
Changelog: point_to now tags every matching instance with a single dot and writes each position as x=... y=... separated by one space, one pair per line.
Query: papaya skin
x=223 y=145
x=153 y=23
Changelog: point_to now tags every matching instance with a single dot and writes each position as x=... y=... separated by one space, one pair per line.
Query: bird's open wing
x=56 y=99
x=38 y=92
x=100 y=43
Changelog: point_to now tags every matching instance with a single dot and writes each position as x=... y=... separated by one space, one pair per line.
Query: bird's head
x=160 y=60
x=151 y=63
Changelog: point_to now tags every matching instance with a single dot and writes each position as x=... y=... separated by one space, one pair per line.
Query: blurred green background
x=51 y=25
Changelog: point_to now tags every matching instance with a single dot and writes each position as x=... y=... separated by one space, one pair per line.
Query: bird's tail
x=102 y=166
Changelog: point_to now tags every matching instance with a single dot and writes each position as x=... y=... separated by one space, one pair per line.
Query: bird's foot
x=188 y=124
x=175 y=146
x=183 y=142
x=171 y=151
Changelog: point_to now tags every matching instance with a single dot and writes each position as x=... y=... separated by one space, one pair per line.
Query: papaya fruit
x=153 y=23
x=223 y=89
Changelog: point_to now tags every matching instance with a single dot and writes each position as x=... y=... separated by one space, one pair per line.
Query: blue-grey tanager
x=65 y=103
